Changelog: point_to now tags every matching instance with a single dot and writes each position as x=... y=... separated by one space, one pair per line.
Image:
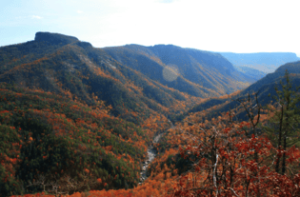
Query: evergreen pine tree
x=285 y=122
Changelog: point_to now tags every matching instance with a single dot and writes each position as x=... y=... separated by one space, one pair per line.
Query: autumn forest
x=82 y=121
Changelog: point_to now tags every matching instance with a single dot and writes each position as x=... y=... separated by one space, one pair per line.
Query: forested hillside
x=81 y=121
x=131 y=79
x=48 y=140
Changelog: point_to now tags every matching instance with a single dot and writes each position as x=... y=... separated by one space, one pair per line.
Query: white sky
x=213 y=25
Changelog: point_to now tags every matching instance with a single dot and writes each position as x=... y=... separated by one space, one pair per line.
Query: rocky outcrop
x=54 y=38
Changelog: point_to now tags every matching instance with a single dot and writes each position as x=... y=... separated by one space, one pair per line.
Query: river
x=151 y=154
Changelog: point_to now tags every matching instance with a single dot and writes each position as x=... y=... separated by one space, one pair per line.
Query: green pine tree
x=284 y=125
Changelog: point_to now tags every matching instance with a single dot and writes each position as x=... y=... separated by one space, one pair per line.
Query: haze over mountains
x=263 y=61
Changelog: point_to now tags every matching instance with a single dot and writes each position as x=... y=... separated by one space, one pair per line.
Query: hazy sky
x=213 y=25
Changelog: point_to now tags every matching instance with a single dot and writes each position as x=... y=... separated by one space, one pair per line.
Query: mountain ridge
x=265 y=89
x=185 y=61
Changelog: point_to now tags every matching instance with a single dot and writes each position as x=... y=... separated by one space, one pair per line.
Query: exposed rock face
x=54 y=38
x=84 y=44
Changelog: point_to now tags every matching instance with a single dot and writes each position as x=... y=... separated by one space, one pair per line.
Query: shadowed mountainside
x=251 y=72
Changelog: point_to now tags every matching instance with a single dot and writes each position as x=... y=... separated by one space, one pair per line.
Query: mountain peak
x=54 y=38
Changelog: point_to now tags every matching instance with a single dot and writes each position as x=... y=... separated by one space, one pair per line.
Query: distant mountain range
x=265 y=62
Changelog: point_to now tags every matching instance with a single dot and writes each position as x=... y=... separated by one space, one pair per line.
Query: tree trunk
x=287 y=122
x=279 y=141
x=284 y=156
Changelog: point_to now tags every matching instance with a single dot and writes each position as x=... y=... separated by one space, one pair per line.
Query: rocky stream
x=151 y=154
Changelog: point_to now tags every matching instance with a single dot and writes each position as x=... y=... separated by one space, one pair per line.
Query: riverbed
x=151 y=154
